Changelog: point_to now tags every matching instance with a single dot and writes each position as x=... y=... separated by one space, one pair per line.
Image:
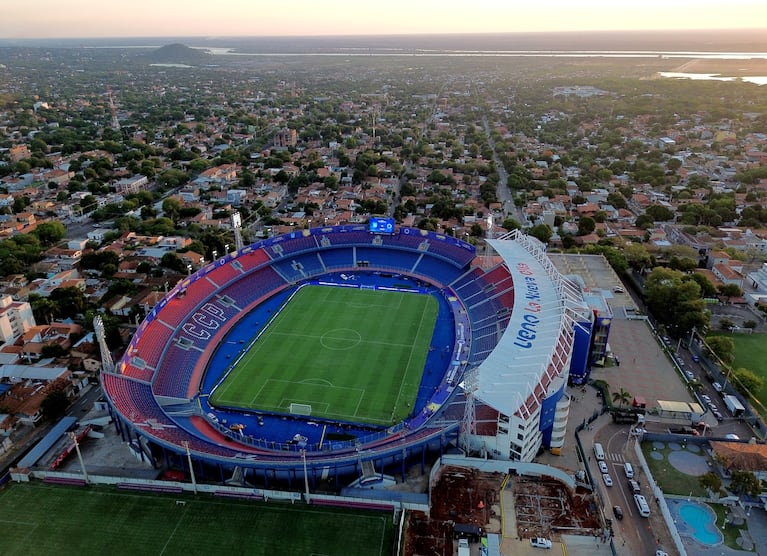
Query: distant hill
x=177 y=53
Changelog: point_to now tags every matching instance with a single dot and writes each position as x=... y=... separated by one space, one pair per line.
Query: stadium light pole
x=73 y=436
x=191 y=467
x=306 y=476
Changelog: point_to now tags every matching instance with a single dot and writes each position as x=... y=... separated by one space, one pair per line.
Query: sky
x=185 y=18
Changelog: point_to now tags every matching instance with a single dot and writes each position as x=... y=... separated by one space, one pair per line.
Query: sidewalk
x=585 y=405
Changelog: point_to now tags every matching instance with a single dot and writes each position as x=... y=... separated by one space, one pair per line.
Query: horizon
x=87 y=19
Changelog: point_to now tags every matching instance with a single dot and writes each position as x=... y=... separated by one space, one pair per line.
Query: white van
x=599 y=452
x=628 y=470
x=642 y=506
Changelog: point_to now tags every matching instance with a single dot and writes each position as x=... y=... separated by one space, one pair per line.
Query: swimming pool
x=701 y=521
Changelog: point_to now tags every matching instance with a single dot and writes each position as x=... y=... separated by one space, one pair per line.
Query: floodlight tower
x=469 y=423
x=237 y=227
x=487 y=259
x=106 y=357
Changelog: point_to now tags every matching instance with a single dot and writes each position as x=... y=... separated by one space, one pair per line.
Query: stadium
x=351 y=352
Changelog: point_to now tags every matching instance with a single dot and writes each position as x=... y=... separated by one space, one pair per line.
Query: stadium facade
x=512 y=324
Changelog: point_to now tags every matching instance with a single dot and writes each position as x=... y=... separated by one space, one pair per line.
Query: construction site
x=467 y=502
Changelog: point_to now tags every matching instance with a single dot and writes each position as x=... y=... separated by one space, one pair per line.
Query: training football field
x=45 y=519
x=351 y=354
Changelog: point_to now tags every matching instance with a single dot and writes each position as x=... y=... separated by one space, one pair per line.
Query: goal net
x=300 y=409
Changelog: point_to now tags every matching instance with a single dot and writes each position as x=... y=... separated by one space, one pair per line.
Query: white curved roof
x=542 y=302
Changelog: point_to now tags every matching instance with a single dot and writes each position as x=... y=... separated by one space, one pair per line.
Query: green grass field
x=41 y=520
x=751 y=353
x=352 y=354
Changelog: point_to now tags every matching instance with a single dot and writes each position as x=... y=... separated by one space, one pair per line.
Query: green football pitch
x=351 y=354
x=39 y=519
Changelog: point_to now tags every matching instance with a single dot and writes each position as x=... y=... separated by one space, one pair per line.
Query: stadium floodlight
x=185 y=443
x=73 y=436
x=306 y=476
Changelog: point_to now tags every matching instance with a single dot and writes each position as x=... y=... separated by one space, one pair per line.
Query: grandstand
x=511 y=324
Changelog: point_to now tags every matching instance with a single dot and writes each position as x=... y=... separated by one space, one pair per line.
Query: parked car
x=603 y=467
x=607 y=479
x=706 y=398
x=617 y=512
x=719 y=416
x=540 y=542
x=690 y=375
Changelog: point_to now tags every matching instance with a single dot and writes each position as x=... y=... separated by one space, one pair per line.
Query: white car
x=607 y=479
x=603 y=467
x=540 y=542
x=716 y=386
x=690 y=375
x=706 y=398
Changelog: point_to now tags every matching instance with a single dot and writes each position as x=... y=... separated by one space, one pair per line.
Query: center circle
x=340 y=339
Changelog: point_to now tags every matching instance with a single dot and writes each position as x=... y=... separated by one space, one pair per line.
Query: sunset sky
x=163 y=18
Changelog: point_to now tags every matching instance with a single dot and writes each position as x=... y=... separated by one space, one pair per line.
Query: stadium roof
x=514 y=368
x=47 y=442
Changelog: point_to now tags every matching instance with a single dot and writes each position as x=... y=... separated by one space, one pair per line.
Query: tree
x=637 y=256
x=675 y=302
x=542 y=232
x=68 y=302
x=711 y=481
x=730 y=290
x=747 y=382
x=659 y=213
x=586 y=225
x=511 y=224
x=52 y=350
x=745 y=482
x=622 y=397
x=173 y=262
x=54 y=405
x=707 y=289
x=722 y=347
x=171 y=207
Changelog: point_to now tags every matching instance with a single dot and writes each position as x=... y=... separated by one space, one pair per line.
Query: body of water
x=702 y=522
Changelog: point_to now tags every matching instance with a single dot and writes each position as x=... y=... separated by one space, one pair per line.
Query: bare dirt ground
x=460 y=495
x=545 y=507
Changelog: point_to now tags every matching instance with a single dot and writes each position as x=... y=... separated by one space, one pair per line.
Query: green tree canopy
x=54 y=405
x=745 y=482
x=712 y=481
x=676 y=303
x=586 y=225
x=50 y=233
x=637 y=256
x=721 y=346
x=542 y=232
x=747 y=382
x=621 y=397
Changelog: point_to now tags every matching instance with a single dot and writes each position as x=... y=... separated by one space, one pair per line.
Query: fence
x=660 y=500
x=379 y=500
